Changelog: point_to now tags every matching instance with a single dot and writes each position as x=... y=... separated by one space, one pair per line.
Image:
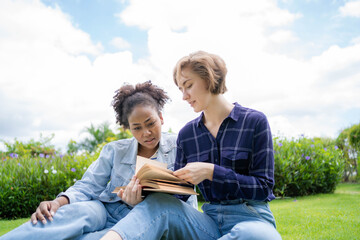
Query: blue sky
x=98 y=18
x=62 y=60
x=319 y=27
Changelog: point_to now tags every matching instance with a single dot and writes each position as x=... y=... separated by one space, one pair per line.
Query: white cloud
x=49 y=84
x=299 y=91
x=350 y=9
x=282 y=36
x=120 y=43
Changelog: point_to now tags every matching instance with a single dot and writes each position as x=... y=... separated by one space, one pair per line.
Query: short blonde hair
x=209 y=67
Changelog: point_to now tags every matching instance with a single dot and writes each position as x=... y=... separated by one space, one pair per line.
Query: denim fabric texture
x=93 y=207
x=162 y=216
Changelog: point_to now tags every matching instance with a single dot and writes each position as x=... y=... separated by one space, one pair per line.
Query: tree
x=101 y=134
x=98 y=135
x=349 y=141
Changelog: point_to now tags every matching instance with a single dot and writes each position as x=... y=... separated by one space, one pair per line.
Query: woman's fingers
x=46 y=209
x=137 y=191
x=196 y=172
x=132 y=193
x=39 y=214
x=120 y=193
x=33 y=218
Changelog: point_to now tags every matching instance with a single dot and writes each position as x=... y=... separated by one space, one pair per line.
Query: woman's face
x=194 y=90
x=145 y=125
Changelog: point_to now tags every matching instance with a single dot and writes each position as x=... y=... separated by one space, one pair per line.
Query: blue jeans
x=162 y=216
x=88 y=220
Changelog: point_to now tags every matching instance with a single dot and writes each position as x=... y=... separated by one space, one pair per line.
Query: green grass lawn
x=322 y=216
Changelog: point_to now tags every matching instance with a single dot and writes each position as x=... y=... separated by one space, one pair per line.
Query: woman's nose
x=147 y=132
x=185 y=95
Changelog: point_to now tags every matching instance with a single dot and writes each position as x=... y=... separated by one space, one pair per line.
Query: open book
x=154 y=176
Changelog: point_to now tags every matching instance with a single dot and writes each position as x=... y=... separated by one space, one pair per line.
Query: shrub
x=32 y=147
x=26 y=181
x=306 y=166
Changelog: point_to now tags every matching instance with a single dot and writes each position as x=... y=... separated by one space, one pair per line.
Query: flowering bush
x=31 y=147
x=306 y=166
x=25 y=181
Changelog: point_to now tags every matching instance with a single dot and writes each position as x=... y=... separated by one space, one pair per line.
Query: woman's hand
x=132 y=193
x=196 y=172
x=48 y=209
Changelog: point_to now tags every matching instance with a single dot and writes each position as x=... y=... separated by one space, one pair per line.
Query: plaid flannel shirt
x=242 y=153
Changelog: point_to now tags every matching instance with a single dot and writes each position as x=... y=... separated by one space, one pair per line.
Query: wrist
x=62 y=200
x=210 y=171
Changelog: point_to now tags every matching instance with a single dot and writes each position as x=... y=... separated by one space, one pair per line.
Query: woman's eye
x=136 y=128
x=189 y=86
x=151 y=124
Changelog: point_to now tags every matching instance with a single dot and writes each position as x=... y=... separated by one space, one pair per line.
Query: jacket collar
x=165 y=146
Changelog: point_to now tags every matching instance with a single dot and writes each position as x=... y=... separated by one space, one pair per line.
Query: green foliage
x=123 y=133
x=99 y=135
x=349 y=142
x=354 y=136
x=72 y=147
x=26 y=181
x=306 y=166
x=32 y=147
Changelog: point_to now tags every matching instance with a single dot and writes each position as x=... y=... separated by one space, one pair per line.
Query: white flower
x=52 y=167
x=54 y=171
x=84 y=168
x=74 y=180
x=46 y=171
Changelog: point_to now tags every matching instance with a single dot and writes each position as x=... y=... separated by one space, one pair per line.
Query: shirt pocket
x=237 y=161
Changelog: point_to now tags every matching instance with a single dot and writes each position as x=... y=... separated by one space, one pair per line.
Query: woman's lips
x=150 y=141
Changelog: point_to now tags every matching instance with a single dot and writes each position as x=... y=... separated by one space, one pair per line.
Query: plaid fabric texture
x=242 y=153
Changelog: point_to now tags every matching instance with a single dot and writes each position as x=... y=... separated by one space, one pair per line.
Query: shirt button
x=111 y=199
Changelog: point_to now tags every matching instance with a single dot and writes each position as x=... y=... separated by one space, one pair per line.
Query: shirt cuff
x=219 y=174
x=69 y=197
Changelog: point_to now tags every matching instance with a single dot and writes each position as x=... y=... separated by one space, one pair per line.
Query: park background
x=296 y=61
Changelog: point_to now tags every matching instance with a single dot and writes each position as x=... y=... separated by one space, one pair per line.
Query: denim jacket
x=115 y=167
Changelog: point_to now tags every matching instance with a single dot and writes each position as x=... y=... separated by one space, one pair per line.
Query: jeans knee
x=253 y=230
x=160 y=199
x=94 y=211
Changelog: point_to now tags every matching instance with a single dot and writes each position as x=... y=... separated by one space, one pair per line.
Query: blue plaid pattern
x=242 y=153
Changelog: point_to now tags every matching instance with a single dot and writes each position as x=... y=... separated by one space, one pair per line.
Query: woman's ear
x=161 y=118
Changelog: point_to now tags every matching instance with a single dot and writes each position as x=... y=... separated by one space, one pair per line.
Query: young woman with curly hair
x=89 y=209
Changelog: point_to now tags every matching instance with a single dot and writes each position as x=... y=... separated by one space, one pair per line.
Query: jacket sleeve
x=94 y=180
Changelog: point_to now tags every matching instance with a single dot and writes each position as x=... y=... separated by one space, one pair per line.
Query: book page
x=141 y=161
x=149 y=171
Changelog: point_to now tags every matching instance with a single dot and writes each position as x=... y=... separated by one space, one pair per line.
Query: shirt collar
x=234 y=114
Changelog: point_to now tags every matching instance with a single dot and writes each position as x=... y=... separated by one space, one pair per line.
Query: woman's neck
x=145 y=152
x=218 y=109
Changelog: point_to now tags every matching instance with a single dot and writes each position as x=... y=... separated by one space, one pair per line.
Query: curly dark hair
x=128 y=97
